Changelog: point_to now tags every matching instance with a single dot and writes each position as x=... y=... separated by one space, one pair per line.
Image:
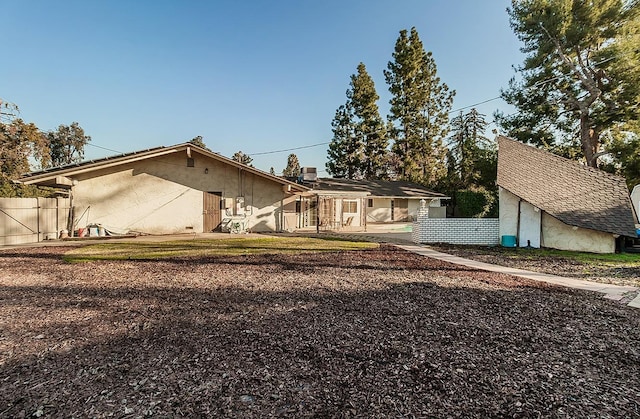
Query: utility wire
x=535 y=85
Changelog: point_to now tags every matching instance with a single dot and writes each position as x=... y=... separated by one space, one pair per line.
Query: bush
x=476 y=203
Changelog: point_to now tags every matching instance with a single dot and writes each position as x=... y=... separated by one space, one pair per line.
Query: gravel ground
x=607 y=273
x=379 y=333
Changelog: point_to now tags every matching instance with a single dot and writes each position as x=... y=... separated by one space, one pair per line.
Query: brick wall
x=477 y=231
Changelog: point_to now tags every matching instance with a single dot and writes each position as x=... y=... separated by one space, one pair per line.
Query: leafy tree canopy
x=66 y=145
x=580 y=81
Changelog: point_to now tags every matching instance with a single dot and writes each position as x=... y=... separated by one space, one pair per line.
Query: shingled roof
x=376 y=188
x=575 y=194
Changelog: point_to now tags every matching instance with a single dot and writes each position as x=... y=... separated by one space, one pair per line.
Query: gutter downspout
x=518 y=224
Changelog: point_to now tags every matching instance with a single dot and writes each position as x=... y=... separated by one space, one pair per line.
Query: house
x=347 y=204
x=549 y=201
x=168 y=190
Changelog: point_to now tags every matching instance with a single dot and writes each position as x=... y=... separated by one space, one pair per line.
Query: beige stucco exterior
x=558 y=235
x=162 y=195
x=380 y=210
x=553 y=233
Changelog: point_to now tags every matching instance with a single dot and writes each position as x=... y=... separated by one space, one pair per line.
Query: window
x=190 y=162
x=370 y=203
x=350 y=207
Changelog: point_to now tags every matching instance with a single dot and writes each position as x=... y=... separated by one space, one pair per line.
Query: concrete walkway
x=612 y=292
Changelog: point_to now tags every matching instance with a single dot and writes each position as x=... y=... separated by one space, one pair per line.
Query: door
x=400 y=210
x=211 y=212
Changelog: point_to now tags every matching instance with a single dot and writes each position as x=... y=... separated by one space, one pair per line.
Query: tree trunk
x=588 y=140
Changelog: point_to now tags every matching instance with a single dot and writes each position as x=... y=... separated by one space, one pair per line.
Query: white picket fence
x=32 y=220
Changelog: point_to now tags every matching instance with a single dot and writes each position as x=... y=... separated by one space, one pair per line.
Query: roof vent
x=308 y=174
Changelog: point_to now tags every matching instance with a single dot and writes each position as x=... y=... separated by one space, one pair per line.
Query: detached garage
x=549 y=201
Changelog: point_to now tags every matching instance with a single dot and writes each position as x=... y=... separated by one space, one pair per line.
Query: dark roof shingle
x=575 y=194
x=375 y=188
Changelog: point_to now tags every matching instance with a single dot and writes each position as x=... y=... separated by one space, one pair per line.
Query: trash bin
x=508 y=241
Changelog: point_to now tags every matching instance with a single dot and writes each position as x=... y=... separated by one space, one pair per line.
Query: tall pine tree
x=369 y=127
x=359 y=145
x=419 y=112
x=344 y=149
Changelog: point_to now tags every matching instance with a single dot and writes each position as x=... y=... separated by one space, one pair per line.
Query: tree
x=242 y=158
x=66 y=145
x=197 y=141
x=625 y=153
x=472 y=167
x=293 y=167
x=469 y=150
x=359 y=145
x=420 y=106
x=345 y=150
x=20 y=141
x=369 y=127
x=272 y=171
x=8 y=111
x=580 y=78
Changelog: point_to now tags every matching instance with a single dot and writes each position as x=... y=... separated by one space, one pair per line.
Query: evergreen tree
x=345 y=151
x=420 y=105
x=580 y=79
x=468 y=148
x=239 y=156
x=369 y=127
x=293 y=166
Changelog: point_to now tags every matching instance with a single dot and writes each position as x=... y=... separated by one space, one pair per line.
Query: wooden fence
x=32 y=220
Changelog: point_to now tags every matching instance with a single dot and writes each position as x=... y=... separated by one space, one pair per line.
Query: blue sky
x=248 y=75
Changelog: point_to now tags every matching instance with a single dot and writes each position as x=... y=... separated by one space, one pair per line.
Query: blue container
x=638 y=232
x=508 y=241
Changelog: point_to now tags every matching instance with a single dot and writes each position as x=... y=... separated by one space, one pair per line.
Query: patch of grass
x=626 y=259
x=153 y=250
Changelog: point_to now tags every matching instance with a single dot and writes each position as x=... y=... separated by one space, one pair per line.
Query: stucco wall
x=554 y=233
x=381 y=210
x=164 y=196
x=557 y=235
x=508 y=210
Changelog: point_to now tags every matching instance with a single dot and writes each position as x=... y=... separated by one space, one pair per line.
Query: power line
x=288 y=149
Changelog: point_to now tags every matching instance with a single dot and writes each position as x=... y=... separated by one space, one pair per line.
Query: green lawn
x=630 y=259
x=152 y=250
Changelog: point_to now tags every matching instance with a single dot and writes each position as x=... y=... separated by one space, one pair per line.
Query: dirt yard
x=376 y=333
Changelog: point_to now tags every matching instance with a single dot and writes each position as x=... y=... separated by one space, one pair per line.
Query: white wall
x=470 y=231
x=635 y=199
x=529 y=234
